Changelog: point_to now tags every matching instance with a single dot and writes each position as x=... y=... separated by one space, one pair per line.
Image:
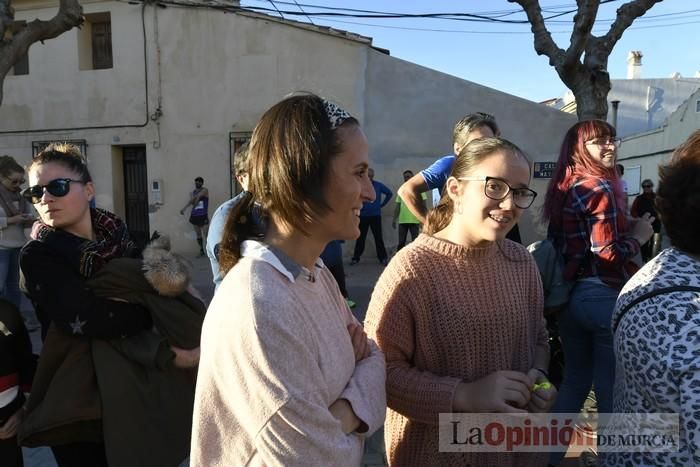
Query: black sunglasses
x=59 y=187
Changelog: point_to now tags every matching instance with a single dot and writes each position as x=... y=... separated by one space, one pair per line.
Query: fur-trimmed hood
x=168 y=273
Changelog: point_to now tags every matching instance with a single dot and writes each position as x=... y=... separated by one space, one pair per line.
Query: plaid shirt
x=595 y=241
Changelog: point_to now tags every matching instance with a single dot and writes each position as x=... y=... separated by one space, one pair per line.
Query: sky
x=502 y=56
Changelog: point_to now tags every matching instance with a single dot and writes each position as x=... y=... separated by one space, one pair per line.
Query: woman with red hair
x=584 y=205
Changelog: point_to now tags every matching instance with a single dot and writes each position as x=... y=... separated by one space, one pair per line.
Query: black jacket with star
x=53 y=282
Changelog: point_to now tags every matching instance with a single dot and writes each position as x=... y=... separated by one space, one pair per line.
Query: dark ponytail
x=240 y=226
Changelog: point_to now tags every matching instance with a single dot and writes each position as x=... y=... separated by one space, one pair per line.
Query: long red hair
x=576 y=162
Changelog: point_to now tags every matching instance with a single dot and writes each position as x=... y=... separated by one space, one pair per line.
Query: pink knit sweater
x=443 y=313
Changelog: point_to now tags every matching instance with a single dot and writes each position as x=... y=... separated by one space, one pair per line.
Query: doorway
x=136 y=194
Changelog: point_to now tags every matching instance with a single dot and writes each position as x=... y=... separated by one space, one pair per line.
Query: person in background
x=623 y=184
x=643 y=204
x=371 y=218
x=470 y=127
x=218 y=220
x=453 y=347
x=656 y=340
x=287 y=375
x=199 y=215
x=332 y=257
x=587 y=223
x=16 y=214
x=17 y=366
x=406 y=220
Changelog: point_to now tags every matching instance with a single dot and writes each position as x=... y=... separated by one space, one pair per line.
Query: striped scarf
x=111 y=241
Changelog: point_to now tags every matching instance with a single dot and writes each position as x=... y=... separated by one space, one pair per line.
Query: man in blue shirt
x=371 y=218
x=218 y=220
x=470 y=127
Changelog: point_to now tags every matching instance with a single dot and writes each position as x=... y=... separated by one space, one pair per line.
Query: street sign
x=544 y=169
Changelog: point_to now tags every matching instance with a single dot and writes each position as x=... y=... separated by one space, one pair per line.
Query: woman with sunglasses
x=15 y=215
x=458 y=312
x=71 y=242
x=585 y=209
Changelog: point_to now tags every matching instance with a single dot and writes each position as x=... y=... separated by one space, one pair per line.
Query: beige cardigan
x=13 y=235
x=275 y=355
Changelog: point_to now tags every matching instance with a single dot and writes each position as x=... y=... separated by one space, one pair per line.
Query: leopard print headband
x=336 y=115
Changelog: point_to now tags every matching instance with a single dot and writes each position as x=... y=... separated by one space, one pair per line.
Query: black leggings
x=339 y=274
x=10 y=453
x=82 y=454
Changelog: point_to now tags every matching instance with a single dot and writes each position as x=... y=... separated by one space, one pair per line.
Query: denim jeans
x=587 y=342
x=9 y=275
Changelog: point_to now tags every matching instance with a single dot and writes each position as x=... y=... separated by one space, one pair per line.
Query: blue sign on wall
x=544 y=169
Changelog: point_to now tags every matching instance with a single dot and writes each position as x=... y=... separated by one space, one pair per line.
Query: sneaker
x=351 y=303
x=354 y=261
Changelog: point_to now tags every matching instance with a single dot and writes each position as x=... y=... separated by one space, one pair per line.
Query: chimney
x=634 y=64
x=615 y=105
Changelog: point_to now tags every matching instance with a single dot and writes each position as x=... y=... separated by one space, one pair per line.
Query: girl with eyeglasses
x=15 y=215
x=458 y=312
x=585 y=209
x=104 y=377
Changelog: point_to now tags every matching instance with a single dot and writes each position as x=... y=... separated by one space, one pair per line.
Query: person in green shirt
x=406 y=220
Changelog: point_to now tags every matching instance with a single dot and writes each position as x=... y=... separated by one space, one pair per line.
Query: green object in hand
x=543 y=385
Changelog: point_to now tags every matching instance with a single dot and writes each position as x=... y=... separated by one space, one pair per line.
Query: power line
x=302 y=10
x=331 y=16
x=463 y=31
x=278 y=11
x=476 y=17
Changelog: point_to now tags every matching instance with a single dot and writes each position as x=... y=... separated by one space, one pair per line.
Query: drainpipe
x=615 y=104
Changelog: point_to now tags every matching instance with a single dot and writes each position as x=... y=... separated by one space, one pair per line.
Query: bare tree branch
x=544 y=44
x=69 y=15
x=588 y=79
x=626 y=15
x=583 y=24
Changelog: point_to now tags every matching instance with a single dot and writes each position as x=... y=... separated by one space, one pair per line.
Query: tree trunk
x=587 y=79
x=591 y=92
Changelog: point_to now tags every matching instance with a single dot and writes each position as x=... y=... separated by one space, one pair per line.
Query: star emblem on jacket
x=77 y=325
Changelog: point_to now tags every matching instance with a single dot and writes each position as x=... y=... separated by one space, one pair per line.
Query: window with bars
x=101 y=45
x=81 y=144
x=95 y=42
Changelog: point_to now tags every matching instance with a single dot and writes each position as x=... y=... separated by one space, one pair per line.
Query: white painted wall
x=651 y=149
x=215 y=73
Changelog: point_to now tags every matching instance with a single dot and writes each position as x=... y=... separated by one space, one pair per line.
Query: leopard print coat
x=657 y=352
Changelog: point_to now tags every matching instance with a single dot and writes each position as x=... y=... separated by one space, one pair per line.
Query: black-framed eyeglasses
x=647 y=186
x=604 y=142
x=58 y=187
x=498 y=189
